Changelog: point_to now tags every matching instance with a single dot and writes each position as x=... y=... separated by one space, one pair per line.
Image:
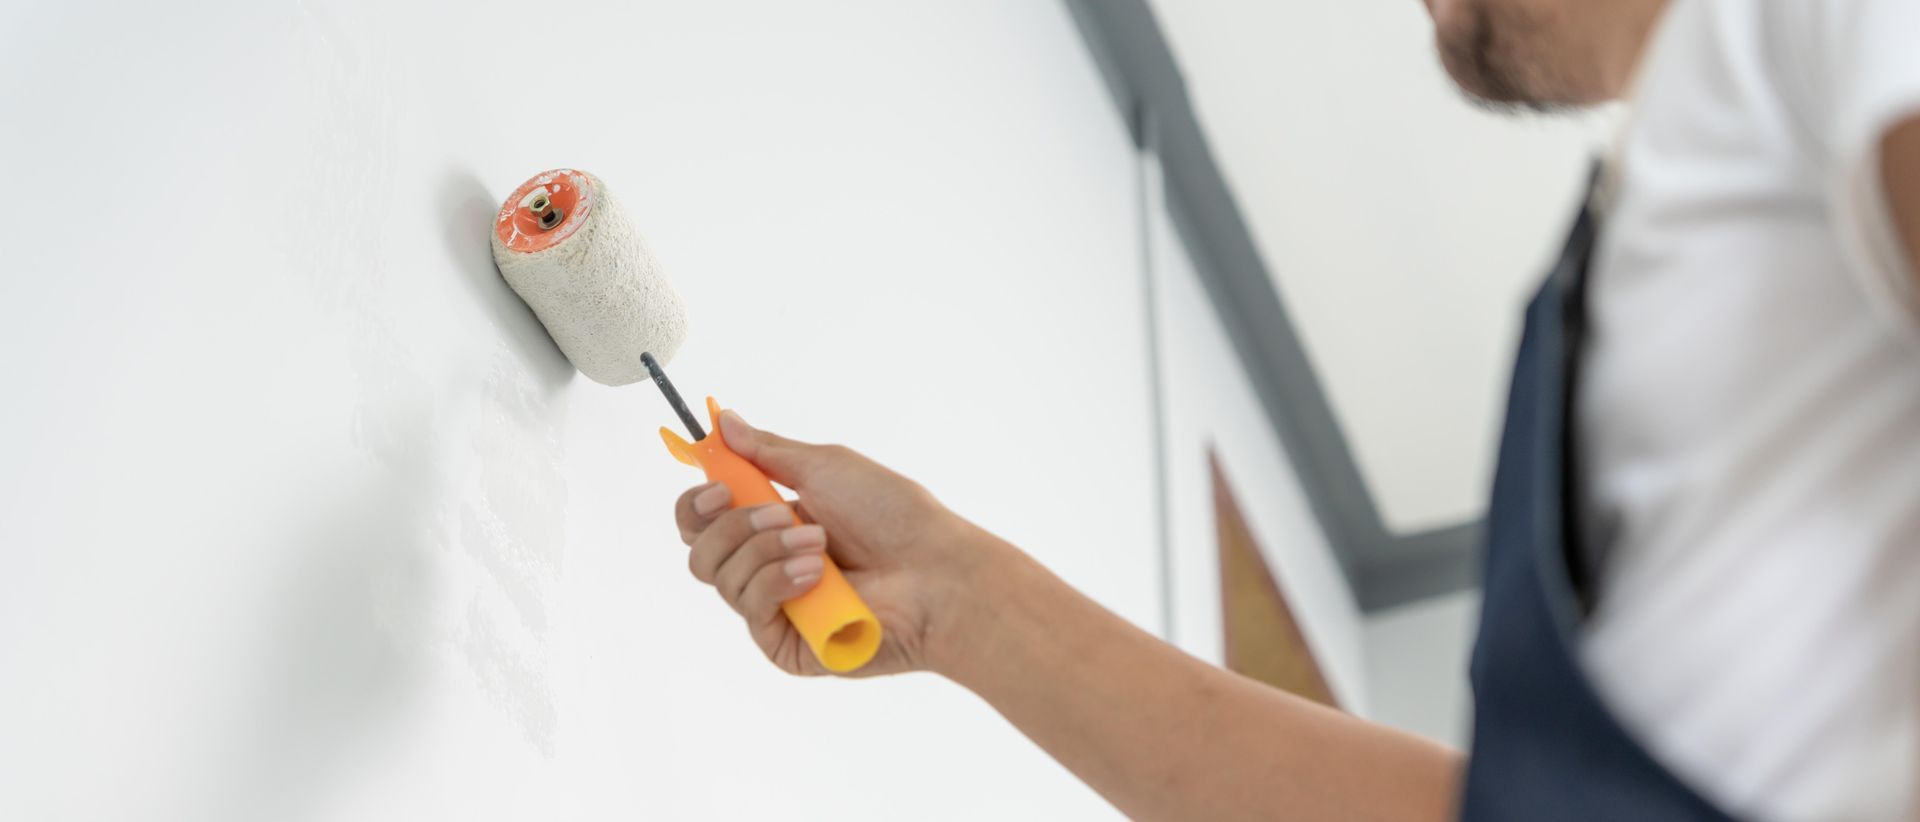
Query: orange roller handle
x=839 y=627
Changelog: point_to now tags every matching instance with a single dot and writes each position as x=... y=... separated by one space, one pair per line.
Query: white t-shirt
x=1748 y=416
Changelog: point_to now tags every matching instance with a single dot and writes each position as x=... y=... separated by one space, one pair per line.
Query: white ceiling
x=1404 y=227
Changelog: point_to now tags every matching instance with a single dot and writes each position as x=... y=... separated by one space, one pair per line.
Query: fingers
x=756 y=558
x=729 y=531
x=785 y=461
x=773 y=584
x=698 y=507
x=791 y=553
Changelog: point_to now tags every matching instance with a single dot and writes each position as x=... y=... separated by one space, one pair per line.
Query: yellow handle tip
x=839 y=628
x=851 y=647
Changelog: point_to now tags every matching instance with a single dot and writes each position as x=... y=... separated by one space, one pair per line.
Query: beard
x=1499 y=56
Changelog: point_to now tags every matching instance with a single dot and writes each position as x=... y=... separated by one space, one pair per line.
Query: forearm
x=1165 y=736
x=1900 y=169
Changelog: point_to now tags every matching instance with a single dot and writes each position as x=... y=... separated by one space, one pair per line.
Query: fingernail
x=713 y=499
x=804 y=569
x=804 y=538
x=770 y=516
x=734 y=428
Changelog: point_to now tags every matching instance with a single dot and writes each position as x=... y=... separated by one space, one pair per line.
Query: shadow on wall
x=340 y=656
x=469 y=214
x=356 y=625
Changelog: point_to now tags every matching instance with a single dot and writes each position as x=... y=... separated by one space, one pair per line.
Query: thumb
x=785 y=461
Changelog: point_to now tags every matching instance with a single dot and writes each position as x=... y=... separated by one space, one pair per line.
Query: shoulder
x=1849 y=71
x=1900 y=177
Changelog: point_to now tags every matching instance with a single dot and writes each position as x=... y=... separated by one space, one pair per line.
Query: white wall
x=1406 y=666
x=1403 y=226
x=307 y=519
x=1417 y=658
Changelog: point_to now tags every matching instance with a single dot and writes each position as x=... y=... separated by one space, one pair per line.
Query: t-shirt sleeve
x=1869 y=55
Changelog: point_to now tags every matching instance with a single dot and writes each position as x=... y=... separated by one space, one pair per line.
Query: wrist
x=966 y=630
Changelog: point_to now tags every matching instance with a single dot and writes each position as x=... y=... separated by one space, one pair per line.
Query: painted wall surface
x=1417 y=666
x=306 y=518
x=1404 y=226
x=1209 y=405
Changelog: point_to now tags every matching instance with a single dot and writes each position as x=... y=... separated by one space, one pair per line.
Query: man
x=1703 y=583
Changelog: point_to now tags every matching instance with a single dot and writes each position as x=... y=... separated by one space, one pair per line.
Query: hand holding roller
x=564 y=245
x=839 y=627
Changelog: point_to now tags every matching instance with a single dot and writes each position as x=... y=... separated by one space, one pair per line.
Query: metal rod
x=673 y=398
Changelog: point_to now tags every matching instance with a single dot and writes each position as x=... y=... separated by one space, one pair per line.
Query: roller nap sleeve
x=567 y=249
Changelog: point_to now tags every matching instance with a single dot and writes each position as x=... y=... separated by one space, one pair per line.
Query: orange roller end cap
x=544 y=210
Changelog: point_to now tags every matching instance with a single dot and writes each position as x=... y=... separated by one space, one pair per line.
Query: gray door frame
x=1384 y=568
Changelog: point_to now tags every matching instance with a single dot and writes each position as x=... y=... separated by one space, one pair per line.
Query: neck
x=1634 y=24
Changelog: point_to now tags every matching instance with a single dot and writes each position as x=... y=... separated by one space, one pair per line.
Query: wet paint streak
x=494 y=512
x=513 y=680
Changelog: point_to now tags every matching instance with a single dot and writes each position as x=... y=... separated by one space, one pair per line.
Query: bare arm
x=1158 y=733
x=1165 y=736
x=1900 y=171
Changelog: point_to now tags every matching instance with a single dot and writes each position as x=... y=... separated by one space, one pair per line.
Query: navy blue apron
x=1544 y=746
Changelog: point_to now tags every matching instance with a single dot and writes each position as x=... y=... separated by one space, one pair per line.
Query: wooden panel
x=1262 y=637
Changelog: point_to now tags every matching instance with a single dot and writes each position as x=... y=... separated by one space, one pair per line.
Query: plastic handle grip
x=839 y=627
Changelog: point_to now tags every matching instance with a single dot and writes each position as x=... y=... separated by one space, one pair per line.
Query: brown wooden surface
x=1263 y=639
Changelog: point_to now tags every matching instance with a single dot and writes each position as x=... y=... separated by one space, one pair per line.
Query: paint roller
x=567 y=249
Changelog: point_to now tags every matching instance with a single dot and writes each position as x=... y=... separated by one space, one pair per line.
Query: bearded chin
x=1482 y=56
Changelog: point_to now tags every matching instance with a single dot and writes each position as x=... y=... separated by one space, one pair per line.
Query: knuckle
x=734 y=521
x=690 y=524
x=718 y=543
x=756 y=553
x=696 y=567
x=758 y=602
x=732 y=601
x=683 y=507
x=752 y=607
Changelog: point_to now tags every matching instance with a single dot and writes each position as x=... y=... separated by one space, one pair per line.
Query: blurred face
x=1542 y=53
